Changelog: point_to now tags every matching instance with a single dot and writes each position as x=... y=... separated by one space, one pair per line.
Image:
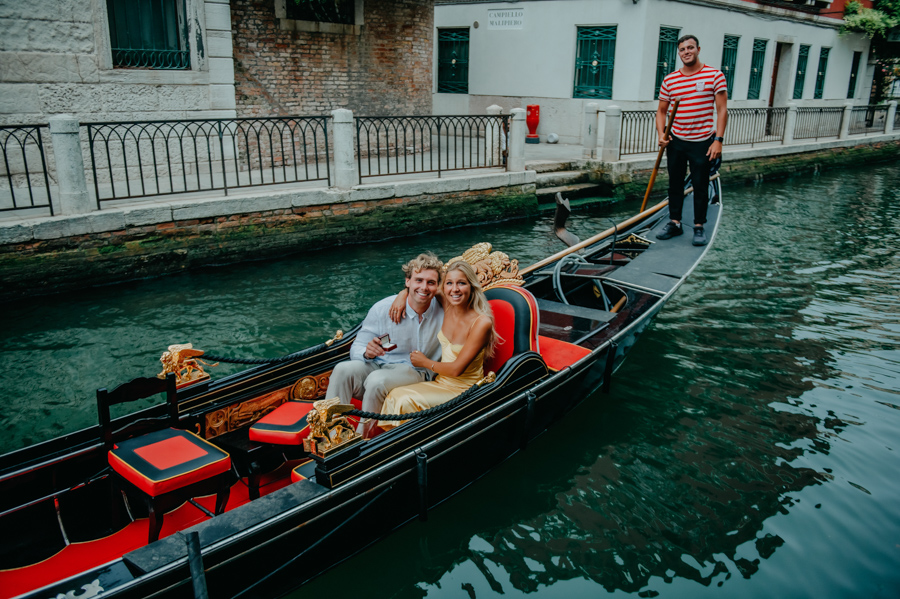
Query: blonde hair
x=477 y=301
x=426 y=261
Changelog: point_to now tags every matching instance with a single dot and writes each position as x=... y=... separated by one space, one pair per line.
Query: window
x=665 y=57
x=322 y=11
x=800 y=78
x=729 y=59
x=820 y=75
x=851 y=89
x=756 y=68
x=594 y=61
x=148 y=34
x=453 y=61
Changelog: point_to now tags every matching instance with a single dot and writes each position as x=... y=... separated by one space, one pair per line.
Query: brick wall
x=385 y=70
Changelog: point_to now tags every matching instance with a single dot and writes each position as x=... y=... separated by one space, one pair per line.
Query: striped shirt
x=694 y=120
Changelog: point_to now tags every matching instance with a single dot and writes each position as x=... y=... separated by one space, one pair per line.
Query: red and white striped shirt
x=694 y=120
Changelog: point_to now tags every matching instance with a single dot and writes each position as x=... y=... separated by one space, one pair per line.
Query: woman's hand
x=420 y=360
x=398 y=308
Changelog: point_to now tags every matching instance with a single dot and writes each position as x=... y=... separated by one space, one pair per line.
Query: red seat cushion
x=559 y=354
x=166 y=460
x=516 y=322
x=286 y=424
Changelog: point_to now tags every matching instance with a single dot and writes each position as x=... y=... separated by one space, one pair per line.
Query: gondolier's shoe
x=672 y=229
x=699 y=236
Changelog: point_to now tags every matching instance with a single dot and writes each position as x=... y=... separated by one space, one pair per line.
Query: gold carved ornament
x=185 y=362
x=328 y=429
x=492 y=268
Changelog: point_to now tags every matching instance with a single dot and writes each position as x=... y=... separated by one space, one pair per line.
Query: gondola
x=72 y=528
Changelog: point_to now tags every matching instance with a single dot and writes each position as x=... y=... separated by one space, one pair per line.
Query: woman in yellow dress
x=467 y=337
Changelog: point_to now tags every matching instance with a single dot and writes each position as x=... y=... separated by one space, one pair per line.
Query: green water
x=749 y=446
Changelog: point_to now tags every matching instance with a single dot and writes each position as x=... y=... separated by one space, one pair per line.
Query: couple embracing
x=420 y=348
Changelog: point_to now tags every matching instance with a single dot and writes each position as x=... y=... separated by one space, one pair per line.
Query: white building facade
x=562 y=54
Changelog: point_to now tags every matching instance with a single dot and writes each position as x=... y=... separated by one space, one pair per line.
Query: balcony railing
x=25 y=182
x=152 y=158
x=399 y=145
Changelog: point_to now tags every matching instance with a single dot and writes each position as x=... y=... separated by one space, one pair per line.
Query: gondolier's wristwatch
x=719 y=139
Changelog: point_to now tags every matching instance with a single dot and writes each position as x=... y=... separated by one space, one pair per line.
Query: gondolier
x=698 y=131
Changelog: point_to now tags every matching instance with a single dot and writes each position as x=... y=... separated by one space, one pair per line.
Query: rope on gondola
x=288 y=358
x=447 y=405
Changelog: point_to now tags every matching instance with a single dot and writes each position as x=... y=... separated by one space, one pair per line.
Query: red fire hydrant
x=532 y=118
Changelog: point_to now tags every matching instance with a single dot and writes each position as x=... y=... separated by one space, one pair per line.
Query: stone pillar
x=612 y=131
x=494 y=137
x=589 y=129
x=73 y=195
x=790 y=123
x=891 y=115
x=845 y=121
x=516 y=161
x=345 y=172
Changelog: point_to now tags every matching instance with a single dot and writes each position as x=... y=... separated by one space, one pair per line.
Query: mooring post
x=345 y=174
x=515 y=162
x=493 y=134
x=73 y=194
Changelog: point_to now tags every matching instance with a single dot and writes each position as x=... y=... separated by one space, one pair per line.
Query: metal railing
x=865 y=120
x=398 y=145
x=25 y=182
x=151 y=158
x=638 y=134
x=813 y=123
x=750 y=126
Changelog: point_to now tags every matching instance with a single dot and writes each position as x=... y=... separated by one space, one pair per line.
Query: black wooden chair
x=165 y=464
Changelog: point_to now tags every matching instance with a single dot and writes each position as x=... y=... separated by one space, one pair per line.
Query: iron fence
x=865 y=120
x=152 y=158
x=397 y=145
x=25 y=182
x=638 y=135
x=813 y=123
x=750 y=126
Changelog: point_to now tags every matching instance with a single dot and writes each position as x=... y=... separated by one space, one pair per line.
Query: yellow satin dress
x=421 y=396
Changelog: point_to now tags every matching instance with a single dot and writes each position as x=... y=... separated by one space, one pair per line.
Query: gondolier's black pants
x=680 y=153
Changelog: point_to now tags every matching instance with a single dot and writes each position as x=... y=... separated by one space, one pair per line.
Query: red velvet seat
x=516 y=322
x=560 y=354
x=287 y=425
x=167 y=465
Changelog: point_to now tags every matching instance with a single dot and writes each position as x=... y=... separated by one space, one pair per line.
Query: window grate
x=851 y=88
x=342 y=12
x=665 y=57
x=594 y=62
x=453 y=61
x=729 y=60
x=756 y=68
x=800 y=78
x=148 y=34
x=820 y=74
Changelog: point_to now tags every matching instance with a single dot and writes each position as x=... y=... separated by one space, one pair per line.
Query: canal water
x=750 y=445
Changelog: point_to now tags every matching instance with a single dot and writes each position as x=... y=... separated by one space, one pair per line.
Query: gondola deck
x=56 y=498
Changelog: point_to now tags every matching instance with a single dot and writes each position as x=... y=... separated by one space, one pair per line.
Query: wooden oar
x=600 y=236
x=660 y=155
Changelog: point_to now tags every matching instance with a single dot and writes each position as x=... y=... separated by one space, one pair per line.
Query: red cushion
x=559 y=354
x=287 y=425
x=166 y=460
x=516 y=322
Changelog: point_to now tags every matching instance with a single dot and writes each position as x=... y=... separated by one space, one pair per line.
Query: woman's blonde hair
x=477 y=301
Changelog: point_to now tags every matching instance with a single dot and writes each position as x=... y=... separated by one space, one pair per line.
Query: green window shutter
x=851 y=88
x=453 y=61
x=800 y=78
x=820 y=74
x=729 y=60
x=665 y=57
x=595 y=57
x=757 y=63
x=148 y=34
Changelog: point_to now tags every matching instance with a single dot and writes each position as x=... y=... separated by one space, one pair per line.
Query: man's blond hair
x=426 y=261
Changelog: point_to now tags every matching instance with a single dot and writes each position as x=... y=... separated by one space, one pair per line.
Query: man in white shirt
x=372 y=371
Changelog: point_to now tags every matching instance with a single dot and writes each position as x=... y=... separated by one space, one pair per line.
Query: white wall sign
x=506 y=18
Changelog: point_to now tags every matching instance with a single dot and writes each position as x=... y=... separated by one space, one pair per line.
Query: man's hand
x=664 y=140
x=714 y=151
x=374 y=349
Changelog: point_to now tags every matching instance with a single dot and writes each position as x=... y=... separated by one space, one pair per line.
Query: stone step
x=560 y=178
x=548 y=166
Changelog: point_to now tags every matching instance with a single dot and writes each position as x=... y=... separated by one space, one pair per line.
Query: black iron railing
x=813 y=123
x=151 y=158
x=25 y=182
x=397 y=145
x=865 y=120
x=749 y=126
x=638 y=134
